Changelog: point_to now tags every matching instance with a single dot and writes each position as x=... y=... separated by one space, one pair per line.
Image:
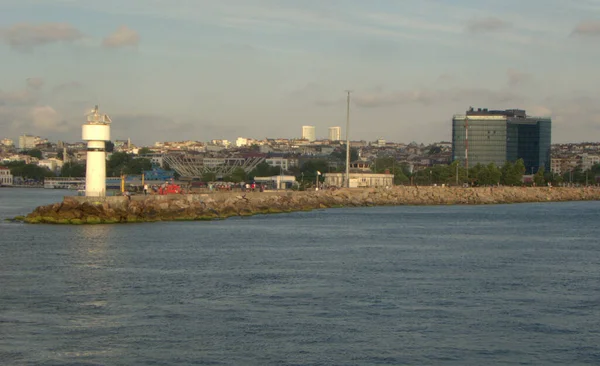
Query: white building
x=277 y=181
x=360 y=177
x=588 y=161
x=282 y=163
x=309 y=133
x=7 y=142
x=6 y=179
x=220 y=142
x=27 y=141
x=52 y=164
x=241 y=141
x=335 y=133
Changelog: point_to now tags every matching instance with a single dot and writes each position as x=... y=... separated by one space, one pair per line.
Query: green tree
x=340 y=154
x=308 y=171
x=137 y=165
x=36 y=153
x=512 y=174
x=538 y=178
x=29 y=171
x=123 y=163
x=263 y=170
x=144 y=151
x=495 y=174
x=238 y=175
x=209 y=177
x=115 y=166
x=73 y=170
x=484 y=175
x=109 y=146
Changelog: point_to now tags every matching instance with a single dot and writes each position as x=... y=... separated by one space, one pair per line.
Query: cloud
x=122 y=37
x=35 y=83
x=588 y=28
x=46 y=118
x=573 y=117
x=489 y=24
x=516 y=77
x=428 y=97
x=25 y=36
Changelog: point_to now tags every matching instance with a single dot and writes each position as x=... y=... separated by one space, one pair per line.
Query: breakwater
x=118 y=209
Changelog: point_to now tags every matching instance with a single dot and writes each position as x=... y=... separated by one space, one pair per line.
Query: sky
x=219 y=69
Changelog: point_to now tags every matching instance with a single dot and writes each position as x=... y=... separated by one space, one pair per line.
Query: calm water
x=506 y=284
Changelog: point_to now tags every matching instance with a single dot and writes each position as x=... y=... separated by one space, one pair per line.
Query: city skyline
x=206 y=70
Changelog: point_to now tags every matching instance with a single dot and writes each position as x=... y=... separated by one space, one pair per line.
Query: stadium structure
x=195 y=166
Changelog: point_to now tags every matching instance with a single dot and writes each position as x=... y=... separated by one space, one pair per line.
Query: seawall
x=118 y=209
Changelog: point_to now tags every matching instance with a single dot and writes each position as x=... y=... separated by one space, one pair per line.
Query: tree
x=109 y=146
x=116 y=164
x=263 y=170
x=434 y=150
x=519 y=168
x=495 y=174
x=238 y=175
x=485 y=175
x=35 y=153
x=29 y=171
x=123 y=163
x=538 y=178
x=340 y=154
x=137 y=165
x=73 y=170
x=209 y=177
x=512 y=174
x=144 y=151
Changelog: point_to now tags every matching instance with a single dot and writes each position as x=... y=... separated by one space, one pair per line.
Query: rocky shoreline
x=215 y=206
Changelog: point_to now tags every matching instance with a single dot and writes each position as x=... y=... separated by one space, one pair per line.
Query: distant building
x=52 y=164
x=309 y=133
x=7 y=142
x=361 y=176
x=588 y=161
x=6 y=178
x=496 y=136
x=241 y=141
x=283 y=163
x=335 y=133
x=27 y=142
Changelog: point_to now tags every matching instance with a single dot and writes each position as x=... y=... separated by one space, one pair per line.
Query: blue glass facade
x=500 y=136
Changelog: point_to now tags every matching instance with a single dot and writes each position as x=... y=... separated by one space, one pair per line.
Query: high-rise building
x=309 y=133
x=27 y=141
x=335 y=133
x=485 y=136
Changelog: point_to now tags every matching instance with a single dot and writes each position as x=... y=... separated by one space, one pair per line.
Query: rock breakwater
x=104 y=210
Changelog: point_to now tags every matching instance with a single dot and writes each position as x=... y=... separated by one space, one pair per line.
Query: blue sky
x=208 y=69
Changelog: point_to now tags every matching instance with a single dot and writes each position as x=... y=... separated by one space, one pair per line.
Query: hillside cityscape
x=32 y=158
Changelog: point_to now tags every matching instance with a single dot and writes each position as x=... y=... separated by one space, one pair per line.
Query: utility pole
x=467 y=145
x=348 y=139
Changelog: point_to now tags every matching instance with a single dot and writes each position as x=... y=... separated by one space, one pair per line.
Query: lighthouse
x=96 y=131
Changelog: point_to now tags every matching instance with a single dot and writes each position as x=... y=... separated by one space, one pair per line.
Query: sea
x=408 y=285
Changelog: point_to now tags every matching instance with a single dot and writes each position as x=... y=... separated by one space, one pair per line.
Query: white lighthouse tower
x=96 y=132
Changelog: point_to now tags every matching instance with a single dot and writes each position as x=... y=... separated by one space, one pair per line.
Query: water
x=455 y=285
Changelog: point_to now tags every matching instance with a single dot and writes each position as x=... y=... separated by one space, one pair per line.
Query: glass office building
x=483 y=136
